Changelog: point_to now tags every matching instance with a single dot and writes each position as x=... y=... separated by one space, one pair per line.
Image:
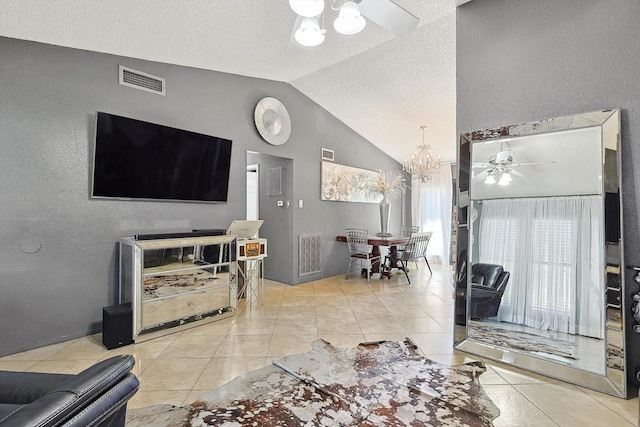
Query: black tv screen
x=140 y=160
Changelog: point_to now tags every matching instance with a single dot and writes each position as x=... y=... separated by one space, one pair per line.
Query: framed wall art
x=342 y=183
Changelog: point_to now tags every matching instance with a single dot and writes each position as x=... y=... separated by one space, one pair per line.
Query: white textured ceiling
x=384 y=87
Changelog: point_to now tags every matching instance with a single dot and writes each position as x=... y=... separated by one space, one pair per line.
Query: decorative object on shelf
x=474 y=214
x=422 y=164
x=350 y=18
x=387 y=183
x=272 y=121
x=635 y=306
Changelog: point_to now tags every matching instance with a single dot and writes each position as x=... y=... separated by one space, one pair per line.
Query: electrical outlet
x=300 y=204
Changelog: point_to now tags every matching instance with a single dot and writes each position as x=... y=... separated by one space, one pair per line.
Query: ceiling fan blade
x=481 y=165
x=482 y=175
x=293 y=44
x=389 y=16
x=531 y=163
x=516 y=173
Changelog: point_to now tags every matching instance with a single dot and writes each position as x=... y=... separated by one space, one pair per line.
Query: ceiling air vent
x=143 y=81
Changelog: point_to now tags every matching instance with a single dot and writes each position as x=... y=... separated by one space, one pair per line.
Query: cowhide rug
x=520 y=340
x=375 y=384
x=170 y=284
x=615 y=357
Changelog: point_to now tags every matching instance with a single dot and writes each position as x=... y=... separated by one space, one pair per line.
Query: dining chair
x=415 y=249
x=408 y=230
x=405 y=231
x=359 y=254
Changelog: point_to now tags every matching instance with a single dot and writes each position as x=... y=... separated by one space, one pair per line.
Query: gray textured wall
x=47 y=105
x=527 y=60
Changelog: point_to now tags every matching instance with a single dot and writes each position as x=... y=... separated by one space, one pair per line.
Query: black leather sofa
x=96 y=397
x=488 y=283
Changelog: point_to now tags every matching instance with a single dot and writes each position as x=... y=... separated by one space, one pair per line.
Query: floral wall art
x=348 y=184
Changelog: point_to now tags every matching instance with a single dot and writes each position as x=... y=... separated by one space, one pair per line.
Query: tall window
x=431 y=206
x=546 y=233
x=552 y=249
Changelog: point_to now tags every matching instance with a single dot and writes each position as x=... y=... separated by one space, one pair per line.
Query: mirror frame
x=613 y=381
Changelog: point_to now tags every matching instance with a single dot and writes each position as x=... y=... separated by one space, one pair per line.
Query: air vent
x=309 y=261
x=143 y=81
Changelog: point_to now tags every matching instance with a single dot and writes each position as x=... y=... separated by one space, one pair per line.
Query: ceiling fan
x=350 y=19
x=500 y=168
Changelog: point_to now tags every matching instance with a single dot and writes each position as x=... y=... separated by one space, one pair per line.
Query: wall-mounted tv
x=138 y=160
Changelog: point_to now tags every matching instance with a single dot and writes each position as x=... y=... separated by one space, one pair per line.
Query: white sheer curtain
x=431 y=207
x=553 y=249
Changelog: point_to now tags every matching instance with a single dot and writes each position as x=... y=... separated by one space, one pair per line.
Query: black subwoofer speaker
x=117 y=326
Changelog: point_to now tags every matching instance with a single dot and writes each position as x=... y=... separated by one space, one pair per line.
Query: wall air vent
x=143 y=81
x=309 y=251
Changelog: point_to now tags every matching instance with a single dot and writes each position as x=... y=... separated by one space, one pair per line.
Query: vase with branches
x=388 y=184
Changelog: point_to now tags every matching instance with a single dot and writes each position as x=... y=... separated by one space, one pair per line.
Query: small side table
x=252 y=273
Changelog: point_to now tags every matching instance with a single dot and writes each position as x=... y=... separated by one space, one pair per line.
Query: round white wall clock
x=272 y=121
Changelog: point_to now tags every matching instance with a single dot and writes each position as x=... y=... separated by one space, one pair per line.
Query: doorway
x=253 y=193
x=269 y=193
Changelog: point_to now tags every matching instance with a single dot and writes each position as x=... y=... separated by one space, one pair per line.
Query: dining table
x=392 y=242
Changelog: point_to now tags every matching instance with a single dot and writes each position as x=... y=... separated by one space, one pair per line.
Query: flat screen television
x=145 y=161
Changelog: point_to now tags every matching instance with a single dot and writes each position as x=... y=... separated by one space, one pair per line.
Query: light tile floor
x=176 y=368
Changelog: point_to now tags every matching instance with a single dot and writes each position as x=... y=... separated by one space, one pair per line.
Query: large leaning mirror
x=539 y=277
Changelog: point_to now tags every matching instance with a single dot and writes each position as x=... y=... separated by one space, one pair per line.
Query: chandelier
x=422 y=164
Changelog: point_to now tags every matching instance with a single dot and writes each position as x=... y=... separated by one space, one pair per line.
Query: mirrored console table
x=177 y=282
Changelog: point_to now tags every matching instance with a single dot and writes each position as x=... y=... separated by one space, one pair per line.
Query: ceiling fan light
x=505 y=179
x=309 y=33
x=490 y=179
x=349 y=21
x=307 y=8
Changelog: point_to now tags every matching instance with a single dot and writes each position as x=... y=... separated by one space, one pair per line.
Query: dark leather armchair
x=488 y=282
x=460 y=278
x=95 y=397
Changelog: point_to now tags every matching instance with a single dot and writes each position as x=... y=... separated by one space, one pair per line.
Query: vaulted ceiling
x=382 y=86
